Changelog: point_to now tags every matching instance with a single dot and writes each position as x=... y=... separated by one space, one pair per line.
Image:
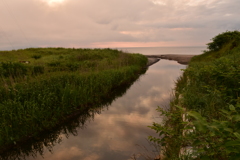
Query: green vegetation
x=41 y=87
x=47 y=139
x=205 y=112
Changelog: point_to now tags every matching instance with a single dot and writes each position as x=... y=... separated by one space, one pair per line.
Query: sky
x=114 y=23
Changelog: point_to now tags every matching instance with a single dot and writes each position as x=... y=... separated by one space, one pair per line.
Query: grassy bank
x=49 y=138
x=40 y=86
x=204 y=119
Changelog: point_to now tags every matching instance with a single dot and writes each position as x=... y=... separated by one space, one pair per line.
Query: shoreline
x=152 y=61
x=181 y=59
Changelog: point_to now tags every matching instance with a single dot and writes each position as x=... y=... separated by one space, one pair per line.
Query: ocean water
x=165 y=50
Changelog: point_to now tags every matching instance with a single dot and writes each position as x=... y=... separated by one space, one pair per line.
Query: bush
x=224 y=38
x=216 y=139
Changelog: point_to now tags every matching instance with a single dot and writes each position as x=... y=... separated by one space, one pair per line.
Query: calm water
x=120 y=130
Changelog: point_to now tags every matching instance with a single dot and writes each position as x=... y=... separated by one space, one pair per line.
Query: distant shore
x=182 y=59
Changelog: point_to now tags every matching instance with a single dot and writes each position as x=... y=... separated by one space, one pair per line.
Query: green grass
x=208 y=94
x=56 y=83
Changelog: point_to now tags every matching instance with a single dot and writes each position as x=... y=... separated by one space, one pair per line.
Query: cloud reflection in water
x=117 y=132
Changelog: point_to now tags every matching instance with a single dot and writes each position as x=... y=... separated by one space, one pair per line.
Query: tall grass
x=36 y=96
x=48 y=138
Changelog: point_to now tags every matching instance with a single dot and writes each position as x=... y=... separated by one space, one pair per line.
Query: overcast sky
x=114 y=23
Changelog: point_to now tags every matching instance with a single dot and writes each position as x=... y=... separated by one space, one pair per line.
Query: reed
x=35 y=96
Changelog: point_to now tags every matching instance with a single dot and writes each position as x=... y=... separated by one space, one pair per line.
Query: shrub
x=222 y=39
x=216 y=139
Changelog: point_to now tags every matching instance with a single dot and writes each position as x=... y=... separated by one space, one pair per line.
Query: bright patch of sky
x=159 y=2
x=53 y=2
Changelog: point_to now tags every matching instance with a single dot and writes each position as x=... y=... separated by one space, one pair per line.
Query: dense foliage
x=218 y=42
x=205 y=114
x=43 y=86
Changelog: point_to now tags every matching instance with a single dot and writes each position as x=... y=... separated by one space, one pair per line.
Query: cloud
x=158 y=2
x=70 y=23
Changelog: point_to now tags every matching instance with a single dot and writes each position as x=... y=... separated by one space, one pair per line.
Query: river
x=119 y=131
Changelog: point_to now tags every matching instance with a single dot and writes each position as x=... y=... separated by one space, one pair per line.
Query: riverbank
x=40 y=86
x=152 y=61
x=203 y=120
x=181 y=59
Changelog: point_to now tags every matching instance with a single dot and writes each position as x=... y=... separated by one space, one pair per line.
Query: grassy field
x=205 y=112
x=41 y=86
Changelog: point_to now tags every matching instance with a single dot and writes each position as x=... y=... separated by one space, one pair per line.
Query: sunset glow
x=140 y=44
x=53 y=2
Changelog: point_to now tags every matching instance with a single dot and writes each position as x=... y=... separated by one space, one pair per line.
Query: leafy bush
x=170 y=133
x=216 y=139
x=224 y=38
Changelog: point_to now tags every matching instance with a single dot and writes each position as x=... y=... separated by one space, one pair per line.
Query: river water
x=119 y=131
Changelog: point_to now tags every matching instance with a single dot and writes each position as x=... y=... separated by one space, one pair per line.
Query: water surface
x=119 y=131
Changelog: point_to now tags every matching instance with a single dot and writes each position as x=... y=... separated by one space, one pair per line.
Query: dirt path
x=182 y=59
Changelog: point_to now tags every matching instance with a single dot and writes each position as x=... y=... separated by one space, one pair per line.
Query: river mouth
x=117 y=131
